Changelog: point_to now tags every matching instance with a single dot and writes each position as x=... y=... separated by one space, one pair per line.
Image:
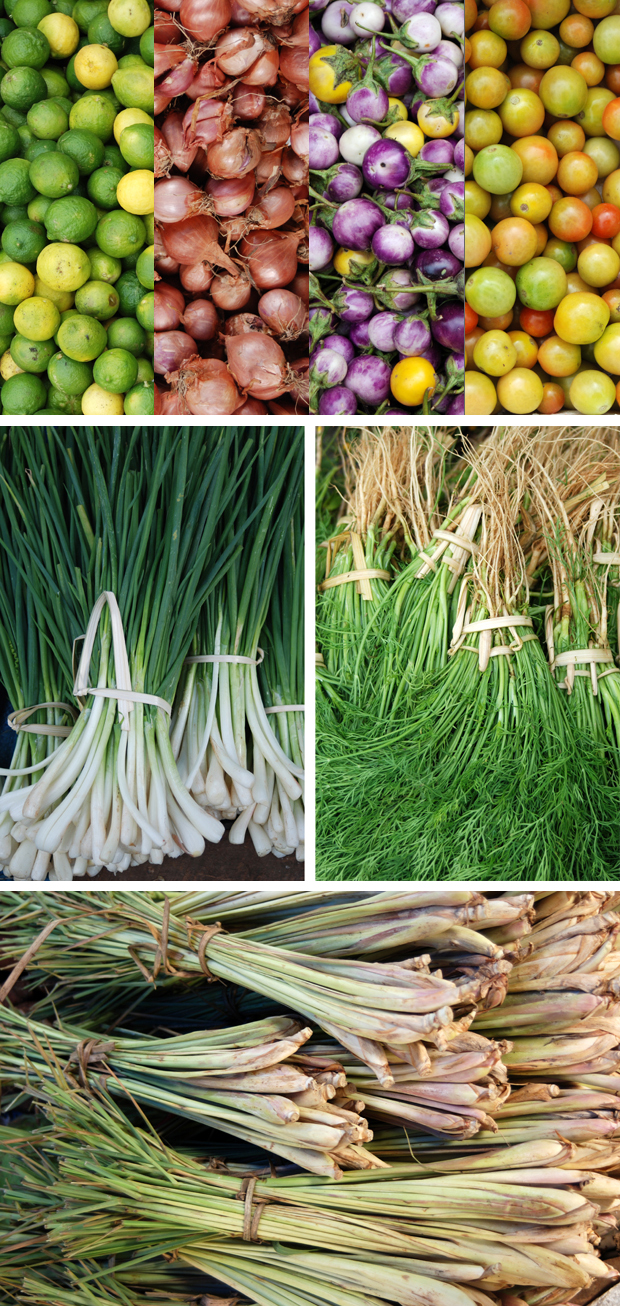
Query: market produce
x=106 y=1198
x=387 y=234
x=467 y=679
x=76 y=216
x=231 y=145
x=542 y=200
x=120 y=540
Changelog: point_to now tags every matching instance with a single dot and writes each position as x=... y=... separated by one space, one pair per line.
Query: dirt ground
x=221 y=861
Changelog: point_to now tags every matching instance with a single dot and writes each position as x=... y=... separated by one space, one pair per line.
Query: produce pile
x=543 y=207
x=76 y=216
x=231 y=143
x=468 y=675
x=249 y=1155
x=151 y=644
x=387 y=240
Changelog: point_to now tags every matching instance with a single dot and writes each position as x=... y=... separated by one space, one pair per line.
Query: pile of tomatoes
x=542 y=203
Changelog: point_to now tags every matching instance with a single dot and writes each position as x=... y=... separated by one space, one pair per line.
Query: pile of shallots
x=231 y=234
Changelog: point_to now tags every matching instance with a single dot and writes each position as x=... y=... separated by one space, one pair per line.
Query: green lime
x=103 y=267
x=54 y=80
x=38 y=147
x=130 y=290
x=27 y=13
x=9 y=140
x=9 y=6
x=132 y=59
x=82 y=338
x=15 y=184
x=72 y=219
x=54 y=174
x=23 y=394
x=64 y=7
x=94 y=113
x=13 y=213
x=85 y=10
x=26 y=137
x=31 y=355
x=38 y=207
x=134 y=86
x=5 y=343
x=68 y=376
x=101 y=187
x=129 y=263
x=13 y=116
x=97 y=299
x=69 y=312
x=149 y=222
x=118 y=233
x=137 y=145
x=145 y=270
x=101 y=32
x=126 y=333
x=140 y=400
x=84 y=147
x=75 y=86
x=26 y=47
x=62 y=403
x=149 y=344
x=115 y=370
x=6 y=26
x=112 y=158
x=48 y=120
x=23 y=241
x=145 y=311
x=147 y=46
x=145 y=370
x=6 y=320
x=22 y=87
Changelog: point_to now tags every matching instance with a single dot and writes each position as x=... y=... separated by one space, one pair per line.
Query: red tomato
x=553 y=398
x=471 y=319
x=605 y=221
x=537 y=322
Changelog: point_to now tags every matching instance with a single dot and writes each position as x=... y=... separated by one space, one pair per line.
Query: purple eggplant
x=353 y=305
x=450 y=50
x=411 y=336
x=369 y=378
x=324 y=151
x=381 y=330
x=393 y=244
x=321 y=248
x=404 y=9
x=421 y=33
x=313 y=104
x=335 y=23
x=434 y=74
x=435 y=234
x=448 y=328
x=315 y=41
x=346 y=184
x=317 y=6
x=432 y=353
x=401 y=199
x=338 y=402
x=367 y=103
x=396 y=290
x=342 y=346
x=440 y=151
x=459 y=154
x=328 y=367
x=437 y=264
x=452 y=20
x=356 y=222
x=456 y=241
x=329 y=122
x=387 y=165
x=394 y=74
x=452 y=199
x=359 y=335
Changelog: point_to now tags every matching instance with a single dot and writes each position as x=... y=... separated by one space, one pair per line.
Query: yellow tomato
x=520 y=391
x=477 y=200
x=411 y=379
x=581 y=318
x=495 y=353
x=607 y=349
x=480 y=395
x=407 y=134
x=343 y=258
x=323 y=82
x=398 y=108
x=598 y=264
x=592 y=392
x=525 y=347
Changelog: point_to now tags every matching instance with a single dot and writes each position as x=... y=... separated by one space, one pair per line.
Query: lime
x=145 y=311
x=82 y=338
x=9 y=140
x=134 y=87
x=23 y=394
x=135 y=191
x=26 y=138
x=55 y=82
x=147 y=46
x=84 y=147
x=38 y=207
x=48 y=120
x=101 y=402
x=14 y=213
x=145 y=270
x=94 y=66
x=63 y=299
x=130 y=290
x=94 y=113
x=6 y=26
x=5 y=342
x=23 y=240
x=54 y=174
x=67 y=375
x=145 y=370
x=116 y=370
x=137 y=145
x=15 y=184
x=22 y=87
x=62 y=403
x=72 y=219
x=129 y=263
x=26 y=47
x=14 y=117
x=129 y=17
x=140 y=400
x=149 y=223
x=103 y=267
x=70 y=312
x=131 y=60
x=62 y=33
x=126 y=118
x=118 y=233
x=127 y=334
x=63 y=267
x=37 y=318
x=6 y=320
x=27 y=13
x=7 y=366
x=97 y=299
x=31 y=355
x=38 y=147
x=101 y=187
x=85 y=10
x=112 y=158
x=101 y=32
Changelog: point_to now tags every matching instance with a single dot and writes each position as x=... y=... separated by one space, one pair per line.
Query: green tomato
x=541 y=283
x=498 y=169
x=490 y=292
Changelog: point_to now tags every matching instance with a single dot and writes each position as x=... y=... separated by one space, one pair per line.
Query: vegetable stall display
x=115 y=1186
x=387 y=234
x=76 y=207
x=231 y=150
x=468 y=681
x=146 y=551
x=542 y=197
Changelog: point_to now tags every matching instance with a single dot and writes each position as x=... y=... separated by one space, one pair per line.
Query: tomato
x=495 y=353
x=477 y=241
x=323 y=79
x=581 y=318
x=471 y=319
x=477 y=200
x=576 y=30
x=538 y=158
x=492 y=261
x=345 y=258
x=592 y=392
x=435 y=122
x=471 y=13
x=542 y=236
x=498 y=169
x=500 y=323
x=606 y=221
x=591 y=116
x=612 y=298
x=536 y=323
x=482 y=127
x=606 y=155
x=539 y=49
x=607 y=349
x=570 y=219
x=471 y=340
x=490 y=291
x=566 y=136
x=520 y=391
x=611 y=188
x=480 y=394
x=595 y=8
x=590 y=66
x=482 y=23
x=590 y=240
x=485 y=88
x=514 y=241
x=411 y=380
x=553 y=398
x=522 y=112
x=510 y=19
x=563 y=252
x=529 y=78
x=555 y=193
x=531 y=201
x=558 y=357
x=541 y=283
x=409 y=135
x=563 y=92
x=469 y=159
x=548 y=13
x=487 y=50
x=612 y=78
x=577 y=173
x=574 y=284
x=606 y=40
x=526 y=347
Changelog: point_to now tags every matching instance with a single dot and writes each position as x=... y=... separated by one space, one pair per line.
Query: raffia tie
x=225 y=657
x=126 y=696
x=89 y=1050
x=15 y=721
x=578 y=661
x=463 y=626
x=252 y=1212
x=362 y=574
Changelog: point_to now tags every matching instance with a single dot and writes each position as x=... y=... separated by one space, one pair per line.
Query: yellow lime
x=63 y=299
x=94 y=66
x=62 y=33
x=16 y=283
x=102 y=402
x=37 y=318
x=63 y=267
x=129 y=17
x=127 y=118
x=135 y=191
x=8 y=367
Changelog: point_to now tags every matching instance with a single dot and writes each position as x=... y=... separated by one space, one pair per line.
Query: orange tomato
x=548 y=13
x=487 y=50
x=553 y=398
x=496 y=323
x=577 y=173
x=592 y=68
x=526 y=347
x=605 y=221
x=514 y=241
x=595 y=8
x=510 y=19
x=486 y=88
x=471 y=319
x=612 y=299
x=565 y=136
x=611 y=119
x=539 y=158
x=576 y=30
x=570 y=219
x=529 y=78
x=612 y=78
x=471 y=13
x=558 y=358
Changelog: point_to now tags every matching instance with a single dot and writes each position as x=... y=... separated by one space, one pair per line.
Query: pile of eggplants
x=371 y=195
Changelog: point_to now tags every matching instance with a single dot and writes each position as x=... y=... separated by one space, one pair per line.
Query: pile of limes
x=76 y=206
